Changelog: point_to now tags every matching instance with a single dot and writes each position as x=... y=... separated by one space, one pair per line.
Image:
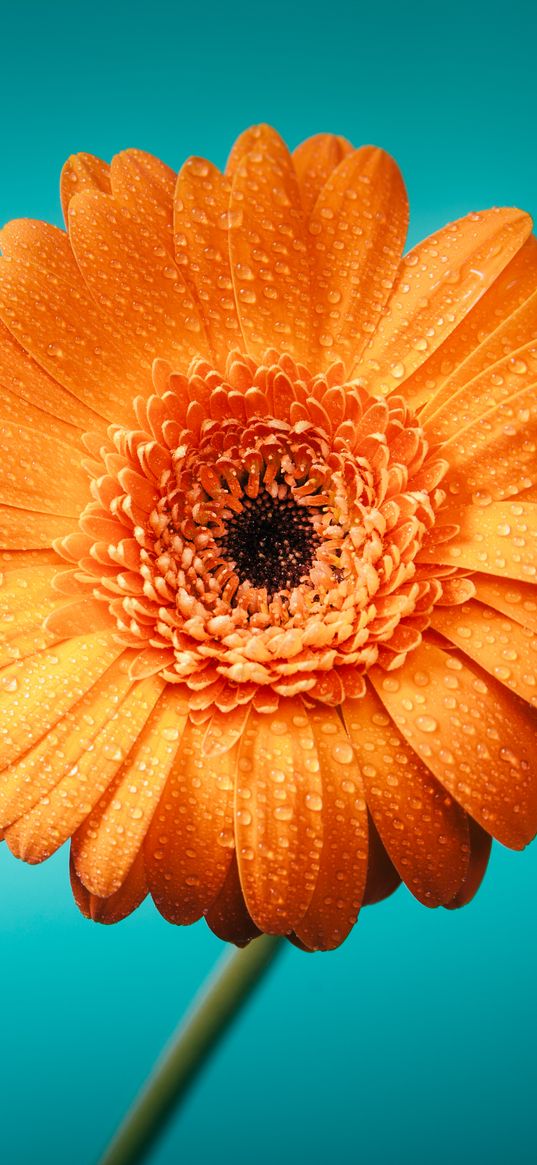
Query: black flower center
x=271 y=543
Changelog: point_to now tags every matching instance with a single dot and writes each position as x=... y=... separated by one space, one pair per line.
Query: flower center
x=271 y=543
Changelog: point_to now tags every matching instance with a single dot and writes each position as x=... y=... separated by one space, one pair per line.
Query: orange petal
x=382 y=877
x=500 y=322
x=26 y=599
x=340 y=885
x=499 y=645
x=499 y=539
x=62 y=328
x=439 y=282
x=119 y=905
x=39 y=395
x=516 y=600
x=493 y=455
x=269 y=252
x=71 y=797
x=83 y=172
x=201 y=222
x=24 y=530
x=106 y=845
x=314 y=160
x=480 y=844
x=57 y=755
x=424 y=831
x=91 y=614
x=278 y=819
x=145 y=185
x=256 y=137
x=135 y=280
x=35 y=693
x=189 y=846
x=228 y=917
x=477 y=739
x=364 y=203
x=41 y=473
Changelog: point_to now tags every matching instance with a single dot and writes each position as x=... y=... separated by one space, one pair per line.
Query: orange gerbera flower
x=269 y=519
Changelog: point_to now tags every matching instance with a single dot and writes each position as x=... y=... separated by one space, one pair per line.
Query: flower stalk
x=211 y=1013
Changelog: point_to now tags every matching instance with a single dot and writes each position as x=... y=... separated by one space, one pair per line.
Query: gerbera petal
x=145 y=185
x=499 y=539
x=134 y=278
x=364 y=203
x=62 y=328
x=342 y=877
x=256 y=137
x=106 y=845
x=28 y=530
x=201 y=223
x=480 y=845
x=500 y=321
x=189 y=846
x=516 y=600
x=314 y=160
x=40 y=396
x=269 y=252
x=477 y=739
x=228 y=917
x=499 y=645
x=382 y=876
x=71 y=797
x=440 y=280
x=278 y=819
x=424 y=831
x=58 y=754
x=83 y=172
x=37 y=692
x=40 y=473
x=26 y=599
x=119 y=905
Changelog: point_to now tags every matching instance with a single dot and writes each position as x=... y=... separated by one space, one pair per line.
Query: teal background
x=415 y=1043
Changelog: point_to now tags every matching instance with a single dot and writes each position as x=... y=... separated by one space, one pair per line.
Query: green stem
x=219 y=1001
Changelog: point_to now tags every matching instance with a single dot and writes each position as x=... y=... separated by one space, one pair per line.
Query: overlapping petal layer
x=268 y=528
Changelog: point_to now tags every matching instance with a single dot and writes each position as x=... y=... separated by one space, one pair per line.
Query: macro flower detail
x=269 y=539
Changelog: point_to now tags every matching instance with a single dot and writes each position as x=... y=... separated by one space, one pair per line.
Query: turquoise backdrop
x=415 y=1043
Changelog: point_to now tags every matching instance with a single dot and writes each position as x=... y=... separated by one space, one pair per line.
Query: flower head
x=269 y=524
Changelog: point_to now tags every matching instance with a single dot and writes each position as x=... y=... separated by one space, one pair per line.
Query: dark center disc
x=271 y=543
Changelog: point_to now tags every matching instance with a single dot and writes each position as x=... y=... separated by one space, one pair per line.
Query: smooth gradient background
x=415 y=1043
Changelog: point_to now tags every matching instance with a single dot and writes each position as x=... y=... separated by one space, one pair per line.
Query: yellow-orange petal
x=57 y=754
x=106 y=844
x=228 y=917
x=145 y=185
x=278 y=816
x=256 y=137
x=341 y=882
x=135 y=279
x=477 y=739
x=201 y=224
x=364 y=203
x=500 y=321
x=269 y=253
x=439 y=281
x=423 y=830
x=314 y=160
x=501 y=646
x=26 y=599
x=83 y=172
x=43 y=401
x=189 y=846
x=119 y=905
x=480 y=845
x=499 y=539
